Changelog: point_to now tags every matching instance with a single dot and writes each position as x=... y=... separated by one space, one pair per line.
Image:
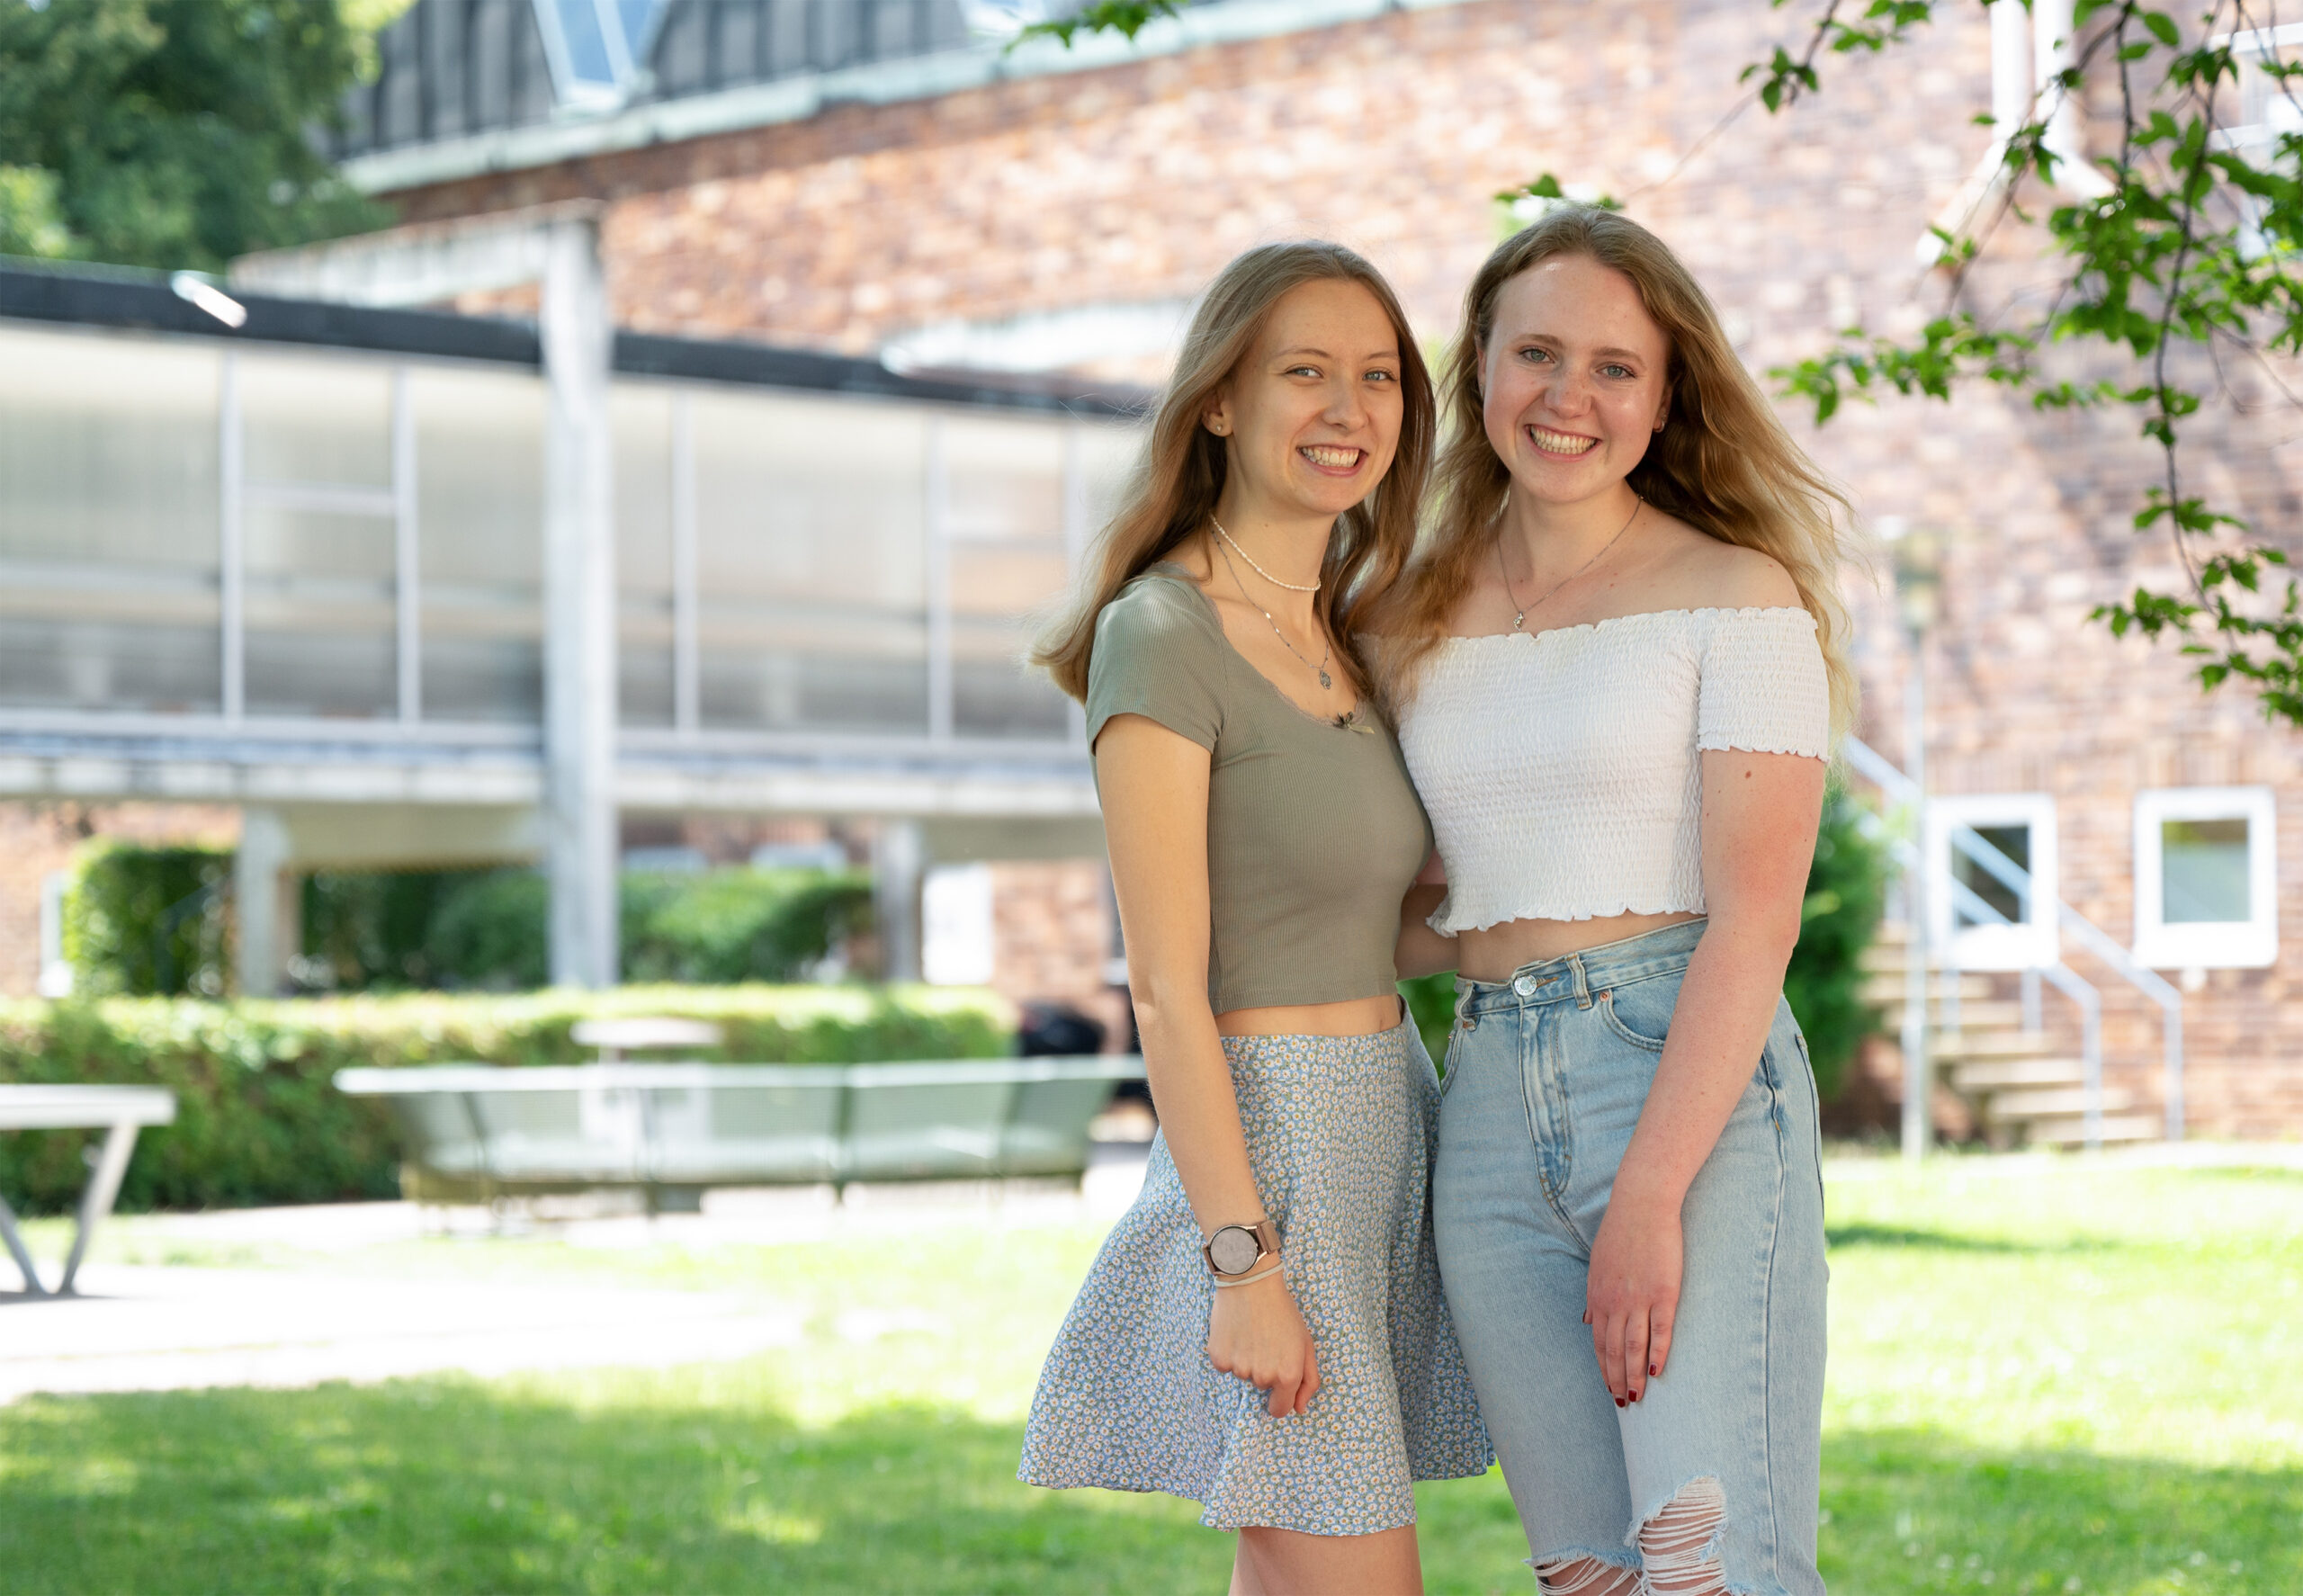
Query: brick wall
x=37 y=840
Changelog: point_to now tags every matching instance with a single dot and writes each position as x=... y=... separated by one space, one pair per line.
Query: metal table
x=118 y=1111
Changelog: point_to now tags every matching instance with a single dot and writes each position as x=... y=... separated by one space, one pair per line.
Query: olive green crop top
x=1314 y=832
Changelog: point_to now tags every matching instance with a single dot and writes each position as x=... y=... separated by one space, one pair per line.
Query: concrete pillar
x=2012 y=87
x=898 y=857
x=580 y=610
x=266 y=904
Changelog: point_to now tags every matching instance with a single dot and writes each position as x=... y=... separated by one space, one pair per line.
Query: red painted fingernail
x=1653 y=1371
x=1618 y=1401
x=1635 y=1396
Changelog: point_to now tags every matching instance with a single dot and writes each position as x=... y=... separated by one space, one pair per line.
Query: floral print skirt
x=1341 y=1132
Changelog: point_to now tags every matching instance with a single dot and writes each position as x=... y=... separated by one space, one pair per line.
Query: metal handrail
x=1870 y=763
x=2065 y=979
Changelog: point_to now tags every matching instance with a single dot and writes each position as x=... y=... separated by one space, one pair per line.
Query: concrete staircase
x=2020 y=1089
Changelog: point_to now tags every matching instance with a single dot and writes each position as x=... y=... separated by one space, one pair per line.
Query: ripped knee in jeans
x=1680 y=1545
x=1679 y=1552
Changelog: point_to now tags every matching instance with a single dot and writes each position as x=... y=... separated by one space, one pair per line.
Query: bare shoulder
x=1701 y=572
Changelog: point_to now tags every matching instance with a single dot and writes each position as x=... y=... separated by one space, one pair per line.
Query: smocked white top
x=1561 y=770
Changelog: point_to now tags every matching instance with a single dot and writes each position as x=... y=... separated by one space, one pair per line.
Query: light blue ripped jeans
x=1546 y=1075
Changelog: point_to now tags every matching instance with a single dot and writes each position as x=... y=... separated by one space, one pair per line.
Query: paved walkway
x=146 y=1327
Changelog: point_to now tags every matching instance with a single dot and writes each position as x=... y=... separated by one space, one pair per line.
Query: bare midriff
x=1358 y=1017
x=1492 y=955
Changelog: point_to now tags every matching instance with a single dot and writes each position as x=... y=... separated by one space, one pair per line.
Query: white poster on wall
x=955 y=926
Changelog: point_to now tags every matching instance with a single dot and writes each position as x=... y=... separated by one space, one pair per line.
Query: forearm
x=1199 y=1115
x=1720 y=1027
x=1421 y=950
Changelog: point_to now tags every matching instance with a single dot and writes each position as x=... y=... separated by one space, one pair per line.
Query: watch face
x=1233 y=1249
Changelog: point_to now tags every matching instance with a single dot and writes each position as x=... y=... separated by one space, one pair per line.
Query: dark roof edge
x=764 y=365
x=117 y=297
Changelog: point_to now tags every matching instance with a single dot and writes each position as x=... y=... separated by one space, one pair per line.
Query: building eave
x=881 y=83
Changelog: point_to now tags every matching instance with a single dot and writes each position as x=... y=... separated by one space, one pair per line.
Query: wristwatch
x=1237 y=1250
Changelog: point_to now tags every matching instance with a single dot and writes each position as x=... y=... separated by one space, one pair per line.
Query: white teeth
x=1321 y=456
x=1560 y=443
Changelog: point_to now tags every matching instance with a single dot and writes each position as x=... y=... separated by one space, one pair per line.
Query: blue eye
x=1616 y=370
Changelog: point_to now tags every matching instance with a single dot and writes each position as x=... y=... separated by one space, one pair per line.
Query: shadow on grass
x=1944 y=1241
x=449 y=1486
x=454 y=1486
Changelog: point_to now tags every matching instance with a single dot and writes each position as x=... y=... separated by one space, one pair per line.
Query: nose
x=1347 y=406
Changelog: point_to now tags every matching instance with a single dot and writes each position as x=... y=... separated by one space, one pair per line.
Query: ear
x=1217 y=417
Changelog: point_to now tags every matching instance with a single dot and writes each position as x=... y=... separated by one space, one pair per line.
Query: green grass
x=2076 y=1378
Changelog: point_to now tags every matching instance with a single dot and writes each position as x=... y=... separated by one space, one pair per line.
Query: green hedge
x=149 y=921
x=258 y=1120
x=460 y=930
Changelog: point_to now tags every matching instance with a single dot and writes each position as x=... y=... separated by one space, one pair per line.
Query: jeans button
x=1524 y=985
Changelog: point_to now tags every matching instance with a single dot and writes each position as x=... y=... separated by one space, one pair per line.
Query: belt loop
x=1583 y=986
x=1463 y=999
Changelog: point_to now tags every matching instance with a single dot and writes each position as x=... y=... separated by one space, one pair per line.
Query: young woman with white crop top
x=1264 y=1332
x=1616 y=671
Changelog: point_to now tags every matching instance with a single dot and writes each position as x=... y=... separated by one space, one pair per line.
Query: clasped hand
x=1257 y=1333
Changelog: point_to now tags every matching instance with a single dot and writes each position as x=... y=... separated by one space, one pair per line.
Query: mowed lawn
x=2063 y=1378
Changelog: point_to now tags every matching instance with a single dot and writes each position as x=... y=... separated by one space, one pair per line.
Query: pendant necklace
x=1320 y=669
x=1520 y=620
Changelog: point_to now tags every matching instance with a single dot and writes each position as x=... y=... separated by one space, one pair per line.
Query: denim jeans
x=1546 y=1075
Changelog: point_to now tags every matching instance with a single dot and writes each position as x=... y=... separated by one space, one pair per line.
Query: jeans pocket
x=1451 y=1057
x=1615 y=1022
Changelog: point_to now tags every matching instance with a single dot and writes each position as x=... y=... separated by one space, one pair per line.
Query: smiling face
x=1573 y=379
x=1310 y=418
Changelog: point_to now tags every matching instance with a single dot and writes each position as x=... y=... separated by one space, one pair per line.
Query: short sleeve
x=1763 y=687
x=1157 y=656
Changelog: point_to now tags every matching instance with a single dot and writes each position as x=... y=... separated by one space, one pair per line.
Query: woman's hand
x=1257 y=1333
x=1633 y=1294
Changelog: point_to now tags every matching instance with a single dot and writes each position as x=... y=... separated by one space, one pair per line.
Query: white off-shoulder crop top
x=1559 y=769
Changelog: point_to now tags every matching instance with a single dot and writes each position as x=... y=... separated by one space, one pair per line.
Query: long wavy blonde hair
x=1178 y=478
x=1723 y=462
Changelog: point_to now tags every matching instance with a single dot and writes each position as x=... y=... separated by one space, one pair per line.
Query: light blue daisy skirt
x=1340 y=1133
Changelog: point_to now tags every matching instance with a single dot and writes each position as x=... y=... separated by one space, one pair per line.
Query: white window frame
x=2032 y=943
x=2232 y=944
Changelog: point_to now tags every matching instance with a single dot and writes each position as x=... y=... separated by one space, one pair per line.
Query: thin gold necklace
x=1518 y=620
x=1267 y=575
x=1327 y=682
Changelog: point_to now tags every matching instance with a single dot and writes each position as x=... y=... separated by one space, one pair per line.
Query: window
x=2206 y=872
x=1981 y=919
x=110 y=559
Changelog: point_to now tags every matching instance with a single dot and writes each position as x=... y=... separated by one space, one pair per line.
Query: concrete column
x=2053 y=24
x=898 y=857
x=580 y=610
x=266 y=904
x=2012 y=87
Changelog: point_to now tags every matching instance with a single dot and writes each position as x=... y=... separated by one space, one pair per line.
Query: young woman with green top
x=1264 y=1332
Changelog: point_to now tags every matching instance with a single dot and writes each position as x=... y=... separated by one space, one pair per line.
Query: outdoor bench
x=482 y=1131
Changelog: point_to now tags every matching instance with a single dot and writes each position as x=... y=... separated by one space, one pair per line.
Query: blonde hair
x=1723 y=462
x=1178 y=478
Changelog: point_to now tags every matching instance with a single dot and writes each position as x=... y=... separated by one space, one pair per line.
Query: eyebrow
x=1324 y=354
x=1610 y=353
